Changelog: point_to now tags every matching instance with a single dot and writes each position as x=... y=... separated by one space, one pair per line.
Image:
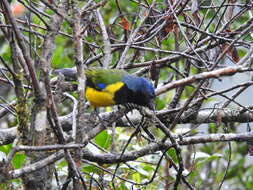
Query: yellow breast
x=102 y=98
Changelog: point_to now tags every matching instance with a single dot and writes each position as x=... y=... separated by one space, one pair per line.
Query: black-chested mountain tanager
x=107 y=87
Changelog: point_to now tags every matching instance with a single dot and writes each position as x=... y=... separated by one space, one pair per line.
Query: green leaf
x=18 y=160
x=148 y=167
x=62 y=164
x=172 y=153
x=136 y=177
x=236 y=170
x=6 y=148
x=206 y=159
x=123 y=186
x=90 y=169
x=103 y=139
x=160 y=103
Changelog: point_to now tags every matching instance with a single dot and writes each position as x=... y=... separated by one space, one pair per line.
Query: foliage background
x=198 y=55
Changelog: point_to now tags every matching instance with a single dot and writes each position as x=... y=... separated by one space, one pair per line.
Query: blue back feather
x=139 y=84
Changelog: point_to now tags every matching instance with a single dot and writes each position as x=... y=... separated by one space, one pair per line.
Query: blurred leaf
x=205 y=159
x=236 y=169
x=201 y=155
x=18 y=160
x=62 y=164
x=202 y=160
x=234 y=54
x=125 y=186
x=6 y=148
x=212 y=128
x=160 y=104
x=90 y=169
x=18 y=9
x=6 y=186
x=62 y=54
x=242 y=149
x=124 y=23
x=231 y=51
x=103 y=139
x=170 y=26
x=172 y=153
x=142 y=171
x=148 y=167
x=136 y=177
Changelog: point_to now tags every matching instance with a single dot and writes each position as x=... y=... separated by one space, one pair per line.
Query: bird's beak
x=151 y=105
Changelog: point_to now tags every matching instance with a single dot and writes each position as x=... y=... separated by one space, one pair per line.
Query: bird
x=108 y=87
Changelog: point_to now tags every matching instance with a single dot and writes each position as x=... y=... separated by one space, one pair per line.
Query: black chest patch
x=125 y=96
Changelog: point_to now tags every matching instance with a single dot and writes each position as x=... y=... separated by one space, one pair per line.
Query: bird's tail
x=70 y=74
